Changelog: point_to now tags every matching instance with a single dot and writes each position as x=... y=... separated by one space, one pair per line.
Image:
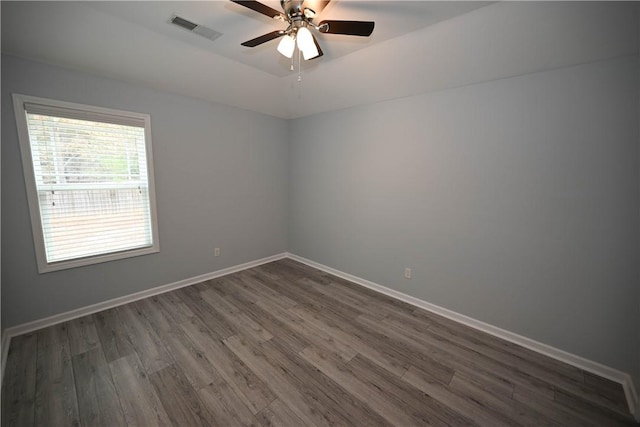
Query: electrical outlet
x=216 y=252
x=407 y=273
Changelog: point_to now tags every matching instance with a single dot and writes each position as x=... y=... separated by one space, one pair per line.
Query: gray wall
x=515 y=202
x=221 y=180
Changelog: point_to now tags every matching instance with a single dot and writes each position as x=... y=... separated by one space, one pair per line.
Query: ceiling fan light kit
x=298 y=33
x=306 y=44
x=287 y=45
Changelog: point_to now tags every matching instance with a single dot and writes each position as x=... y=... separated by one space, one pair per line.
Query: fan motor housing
x=293 y=9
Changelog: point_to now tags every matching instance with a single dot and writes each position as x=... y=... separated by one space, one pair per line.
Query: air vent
x=181 y=22
x=195 y=28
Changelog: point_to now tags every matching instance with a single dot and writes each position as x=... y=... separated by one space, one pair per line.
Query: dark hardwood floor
x=284 y=344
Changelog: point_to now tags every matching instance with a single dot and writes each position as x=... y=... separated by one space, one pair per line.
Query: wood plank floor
x=284 y=344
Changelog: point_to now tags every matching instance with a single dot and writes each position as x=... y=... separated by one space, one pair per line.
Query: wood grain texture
x=98 y=400
x=83 y=335
x=179 y=399
x=284 y=344
x=244 y=382
x=279 y=381
x=277 y=414
x=266 y=319
x=242 y=322
x=342 y=406
x=214 y=321
x=465 y=405
x=508 y=408
x=140 y=402
x=378 y=400
x=56 y=401
x=115 y=341
x=19 y=385
x=178 y=310
x=149 y=348
x=227 y=408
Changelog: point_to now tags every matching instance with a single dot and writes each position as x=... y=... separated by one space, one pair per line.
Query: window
x=89 y=179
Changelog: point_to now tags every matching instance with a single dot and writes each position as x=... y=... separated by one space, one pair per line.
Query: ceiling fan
x=299 y=14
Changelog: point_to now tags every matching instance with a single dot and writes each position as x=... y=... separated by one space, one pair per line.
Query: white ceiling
x=238 y=24
x=417 y=46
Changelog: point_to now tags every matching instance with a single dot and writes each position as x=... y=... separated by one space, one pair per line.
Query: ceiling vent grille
x=195 y=28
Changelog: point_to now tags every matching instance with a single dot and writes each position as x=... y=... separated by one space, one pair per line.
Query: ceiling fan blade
x=351 y=28
x=260 y=8
x=320 y=52
x=263 y=38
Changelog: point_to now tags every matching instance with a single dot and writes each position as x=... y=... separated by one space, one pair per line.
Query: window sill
x=45 y=267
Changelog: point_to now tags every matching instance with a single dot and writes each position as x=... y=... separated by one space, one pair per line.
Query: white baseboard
x=585 y=364
x=13 y=331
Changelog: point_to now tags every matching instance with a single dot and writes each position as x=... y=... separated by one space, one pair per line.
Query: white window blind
x=92 y=185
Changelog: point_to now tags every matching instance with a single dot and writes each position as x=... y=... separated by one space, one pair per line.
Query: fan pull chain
x=299 y=75
x=299 y=67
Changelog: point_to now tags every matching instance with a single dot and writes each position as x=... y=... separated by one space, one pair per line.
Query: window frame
x=44 y=266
